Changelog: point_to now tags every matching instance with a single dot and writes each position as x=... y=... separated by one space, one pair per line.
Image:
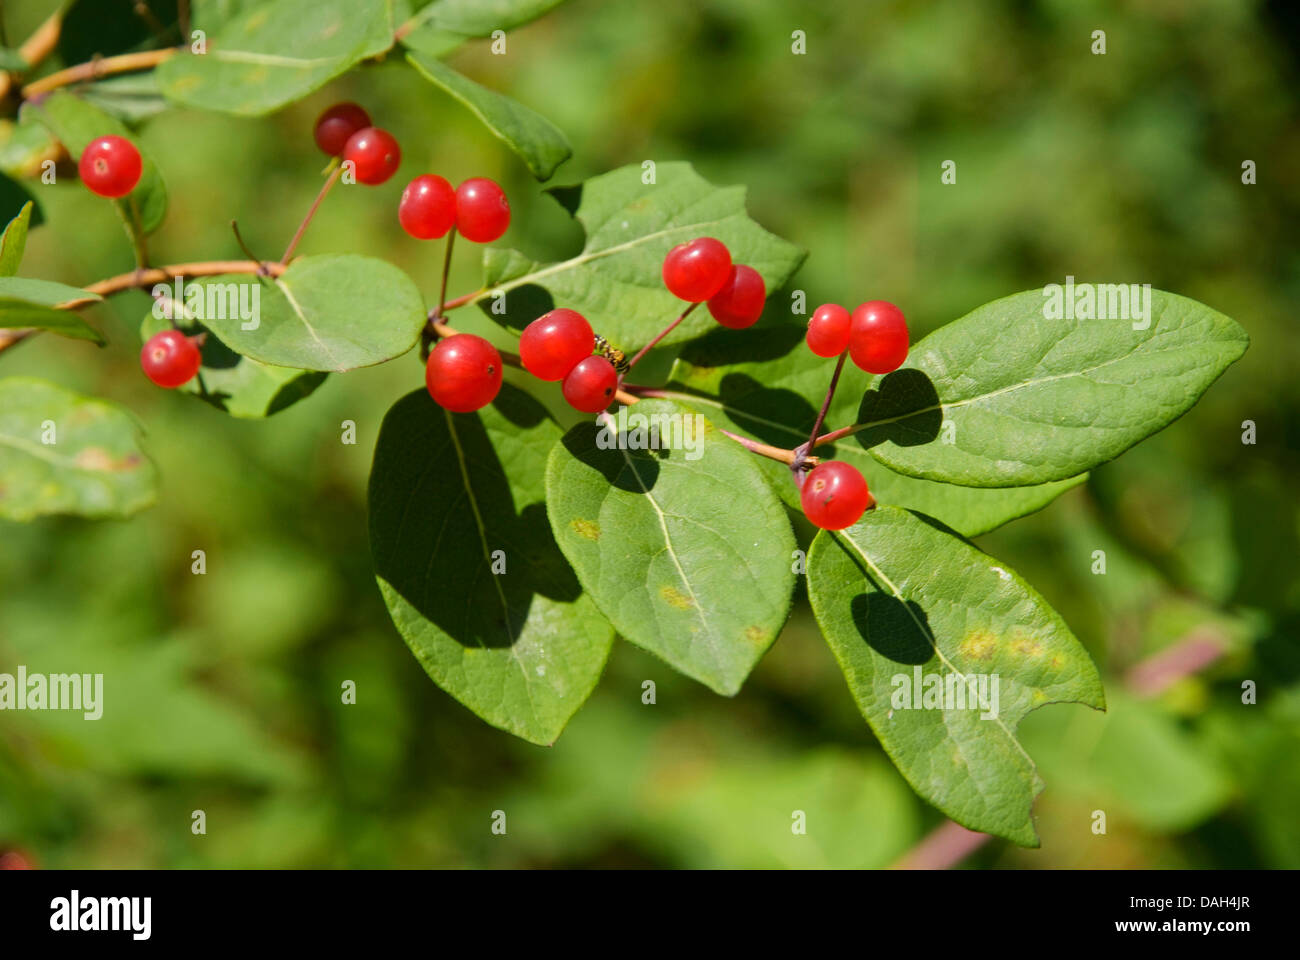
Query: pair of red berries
x=478 y=208
x=463 y=373
x=875 y=334
x=558 y=346
x=110 y=166
x=345 y=130
x=701 y=271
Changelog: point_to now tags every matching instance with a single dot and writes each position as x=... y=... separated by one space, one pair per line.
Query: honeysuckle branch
x=36 y=47
x=94 y=69
x=320 y=197
x=138 y=279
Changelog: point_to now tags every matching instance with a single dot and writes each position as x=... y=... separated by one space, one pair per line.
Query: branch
x=125 y=63
x=138 y=279
x=36 y=48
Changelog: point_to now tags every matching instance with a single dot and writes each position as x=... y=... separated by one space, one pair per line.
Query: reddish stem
x=302 y=227
x=662 y=333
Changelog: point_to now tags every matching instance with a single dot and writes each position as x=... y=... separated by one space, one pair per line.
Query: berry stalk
x=662 y=333
x=302 y=227
x=799 y=467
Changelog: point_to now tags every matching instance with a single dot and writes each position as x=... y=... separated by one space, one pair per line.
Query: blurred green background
x=223 y=690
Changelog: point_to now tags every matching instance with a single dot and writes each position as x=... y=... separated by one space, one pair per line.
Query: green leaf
x=11 y=60
x=131 y=98
x=24 y=147
x=617 y=279
x=685 y=548
x=478 y=18
x=522 y=649
x=540 y=143
x=13 y=197
x=61 y=452
x=895 y=596
x=240 y=386
x=1031 y=399
x=75 y=123
x=25 y=302
x=334 y=312
x=272 y=55
x=14 y=241
x=764 y=383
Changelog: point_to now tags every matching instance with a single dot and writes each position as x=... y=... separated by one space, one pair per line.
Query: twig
x=1187 y=656
x=36 y=47
x=946 y=846
x=93 y=70
x=147 y=278
x=302 y=227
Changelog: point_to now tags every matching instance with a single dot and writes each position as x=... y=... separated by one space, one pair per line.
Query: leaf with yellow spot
x=61 y=452
x=898 y=593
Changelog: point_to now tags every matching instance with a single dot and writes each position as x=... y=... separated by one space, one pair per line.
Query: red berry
x=740 y=301
x=697 y=270
x=828 y=330
x=463 y=373
x=170 y=358
x=878 y=340
x=555 y=343
x=591 y=385
x=337 y=124
x=110 y=166
x=13 y=860
x=482 y=211
x=428 y=207
x=374 y=153
x=834 y=495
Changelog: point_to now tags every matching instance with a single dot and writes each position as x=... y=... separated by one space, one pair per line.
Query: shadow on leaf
x=460 y=555
x=904 y=409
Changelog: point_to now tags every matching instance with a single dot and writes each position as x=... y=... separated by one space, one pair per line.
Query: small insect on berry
x=591 y=385
x=834 y=495
x=170 y=359
x=739 y=303
x=696 y=271
x=337 y=124
x=482 y=210
x=427 y=209
x=828 y=330
x=878 y=337
x=555 y=343
x=110 y=166
x=463 y=373
x=374 y=153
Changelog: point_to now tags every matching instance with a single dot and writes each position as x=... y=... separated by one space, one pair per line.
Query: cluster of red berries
x=345 y=130
x=834 y=494
x=701 y=271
